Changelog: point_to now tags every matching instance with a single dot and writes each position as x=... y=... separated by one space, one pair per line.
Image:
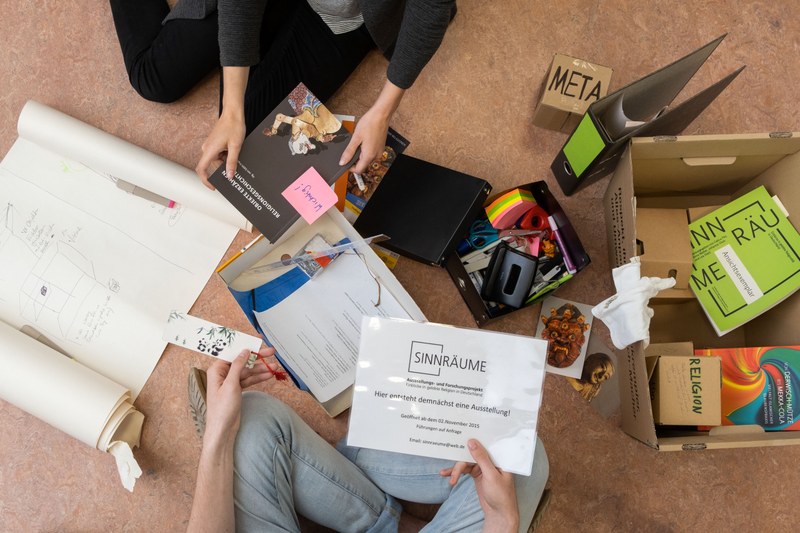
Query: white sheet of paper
x=208 y=338
x=568 y=336
x=93 y=268
x=316 y=330
x=425 y=389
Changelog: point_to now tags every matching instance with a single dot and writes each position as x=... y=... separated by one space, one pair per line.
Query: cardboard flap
x=678 y=118
x=710 y=165
x=736 y=431
x=635 y=405
x=781 y=178
x=649 y=95
x=651 y=363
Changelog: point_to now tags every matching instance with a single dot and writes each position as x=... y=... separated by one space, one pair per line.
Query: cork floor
x=470 y=110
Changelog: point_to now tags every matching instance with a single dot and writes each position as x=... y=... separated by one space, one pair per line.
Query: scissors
x=482 y=233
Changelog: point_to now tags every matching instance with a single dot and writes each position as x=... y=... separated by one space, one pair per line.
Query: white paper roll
x=62 y=392
x=113 y=156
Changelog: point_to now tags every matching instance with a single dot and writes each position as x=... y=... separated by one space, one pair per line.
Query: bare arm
x=212 y=508
x=225 y=140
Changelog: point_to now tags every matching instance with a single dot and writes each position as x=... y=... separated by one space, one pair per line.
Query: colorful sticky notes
x=505 y=210
x=310 y=195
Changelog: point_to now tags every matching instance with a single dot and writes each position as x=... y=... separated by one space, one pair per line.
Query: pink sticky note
x=310 y=195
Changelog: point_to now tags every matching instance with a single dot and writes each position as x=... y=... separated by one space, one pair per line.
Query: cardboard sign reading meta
x=570 y=87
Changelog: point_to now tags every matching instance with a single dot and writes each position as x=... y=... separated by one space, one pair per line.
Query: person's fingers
x=266 y=351
x=363 y=162
x=235 y=373
x=350 y=151
x=202 y=166
x=481 y=457
x=258 y=368
x=231 y=160
x=255 y=379
x=459 y=469
x=445 y=472
x=216 y=374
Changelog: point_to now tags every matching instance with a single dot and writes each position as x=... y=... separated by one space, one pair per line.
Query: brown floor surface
x=470 y=110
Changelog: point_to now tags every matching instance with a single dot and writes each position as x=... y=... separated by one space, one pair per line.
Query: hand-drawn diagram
x=57 y=286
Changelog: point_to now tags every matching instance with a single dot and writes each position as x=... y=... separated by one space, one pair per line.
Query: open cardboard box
x=686 y=173
x=243 y=278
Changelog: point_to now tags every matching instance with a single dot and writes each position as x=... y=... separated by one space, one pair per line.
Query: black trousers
x=165 y=61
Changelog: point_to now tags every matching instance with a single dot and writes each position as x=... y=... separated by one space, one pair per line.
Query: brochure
x=758 y=385
x=425 y=389
x=745 y=259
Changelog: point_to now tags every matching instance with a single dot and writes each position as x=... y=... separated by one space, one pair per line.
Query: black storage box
x=479 y=308
x=427 y=210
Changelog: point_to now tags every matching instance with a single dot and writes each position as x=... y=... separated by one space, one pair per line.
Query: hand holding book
x=370 y=132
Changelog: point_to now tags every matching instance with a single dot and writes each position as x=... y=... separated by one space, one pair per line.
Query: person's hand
x=370 y=132
x=456 y=471
x=496 y=492
x=222 y=145
x=225 y=382
x=370 y=135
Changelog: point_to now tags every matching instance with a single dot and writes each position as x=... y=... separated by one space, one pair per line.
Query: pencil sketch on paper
x=57 y=287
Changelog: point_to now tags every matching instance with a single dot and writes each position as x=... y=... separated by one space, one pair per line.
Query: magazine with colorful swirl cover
x=759 y=385
x=745 y=259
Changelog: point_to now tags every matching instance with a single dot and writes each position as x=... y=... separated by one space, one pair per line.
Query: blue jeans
x=283 y=468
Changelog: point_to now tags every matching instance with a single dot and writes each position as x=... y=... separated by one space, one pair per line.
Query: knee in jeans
x=541 y=464
x=263 y=419
x=261 y=410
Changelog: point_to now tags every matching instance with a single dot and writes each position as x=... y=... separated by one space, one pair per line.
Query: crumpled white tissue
x=627 y=314
x=129 y=470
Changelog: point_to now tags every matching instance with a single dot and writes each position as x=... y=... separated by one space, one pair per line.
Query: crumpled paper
x=627 y=314
x=128 y=468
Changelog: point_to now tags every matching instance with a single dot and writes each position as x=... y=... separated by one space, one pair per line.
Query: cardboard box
x=243 y=278
x=570 y=87
x=684 y=173
x=662 y=239
x=685 y=389
x=636 y=110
